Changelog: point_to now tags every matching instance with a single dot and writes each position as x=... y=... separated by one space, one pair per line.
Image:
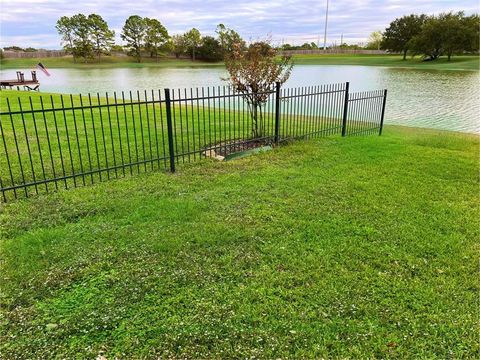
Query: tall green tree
x=102 y=37
x=375 y=41
x=472 y=28
x=85 y=36
x=210 y=50
x=82 y=43
x=178 y=45
x=398 y=35
x=64 y=27
x=453 y=33
x=306 y=46
x=428 y=41
x=447 y=34
x=193 y=40
x=229 y=39
x=133 y=33
x=156 y=36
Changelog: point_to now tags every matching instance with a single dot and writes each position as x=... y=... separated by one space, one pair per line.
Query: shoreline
x=462 y=63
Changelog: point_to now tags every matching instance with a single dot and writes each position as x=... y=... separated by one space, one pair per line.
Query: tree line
x=85 y=36
x=446 y=34
x=429 y=36
x=89 y=37
x=252 y=69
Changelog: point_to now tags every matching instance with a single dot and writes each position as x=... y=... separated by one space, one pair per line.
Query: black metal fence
x=61 y=141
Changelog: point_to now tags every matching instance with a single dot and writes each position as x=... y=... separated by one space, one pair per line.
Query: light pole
x=325 y=35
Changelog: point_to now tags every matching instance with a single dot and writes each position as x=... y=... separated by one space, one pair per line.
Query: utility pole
x=326 y=25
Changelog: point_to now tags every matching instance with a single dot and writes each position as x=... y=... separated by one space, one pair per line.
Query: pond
x=423 y=98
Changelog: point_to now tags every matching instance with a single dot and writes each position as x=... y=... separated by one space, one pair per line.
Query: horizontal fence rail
x=59 y=141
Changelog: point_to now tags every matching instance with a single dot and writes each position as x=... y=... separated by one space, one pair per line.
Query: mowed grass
x=93 y=138
x=82 y=144
x=104 y=62
x=456 y=63
x=357 y=247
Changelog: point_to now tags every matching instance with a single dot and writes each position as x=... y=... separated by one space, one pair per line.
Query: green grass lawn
x=457 y=62
x=85 y=141
x=105 y=62
x=357 y=247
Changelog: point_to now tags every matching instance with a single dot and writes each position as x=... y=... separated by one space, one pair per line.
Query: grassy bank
x=356 y=247
x=457 y=62
x=105 y=62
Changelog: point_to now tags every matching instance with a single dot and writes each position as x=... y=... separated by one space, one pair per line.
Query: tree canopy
x=65 y=29
x=177 y=45
x=192 y=41
x=397 y=37
x=156 y=36
x=375 y=41
x=85 y=36
x=133 y=33
x=102 y=37
x=228 y=38
x=210 y=50
x=433 y=36
x=447 y=34
x=89 y=37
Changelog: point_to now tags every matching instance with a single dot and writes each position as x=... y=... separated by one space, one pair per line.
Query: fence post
x=345 y=110
x=277 y=112
x=383 y=111
x=168 y=106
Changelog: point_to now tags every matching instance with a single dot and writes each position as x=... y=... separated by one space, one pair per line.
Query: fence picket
x=196 y=123
x=168 y=106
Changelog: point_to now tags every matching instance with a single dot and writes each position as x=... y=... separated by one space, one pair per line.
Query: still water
x=424 y=98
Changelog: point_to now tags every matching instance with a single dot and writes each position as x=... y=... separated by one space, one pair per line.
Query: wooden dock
x=32 y=84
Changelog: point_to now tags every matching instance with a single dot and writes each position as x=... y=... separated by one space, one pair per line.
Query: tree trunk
x=405 y=54
x=260 y=121
x=193 y=54
x=254 y=121
x=257 y=120
x=138 y=55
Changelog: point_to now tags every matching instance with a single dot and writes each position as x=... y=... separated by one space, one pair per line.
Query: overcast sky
x=32 y=22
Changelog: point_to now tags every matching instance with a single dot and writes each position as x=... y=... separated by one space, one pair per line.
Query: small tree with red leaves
x=253 y=71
